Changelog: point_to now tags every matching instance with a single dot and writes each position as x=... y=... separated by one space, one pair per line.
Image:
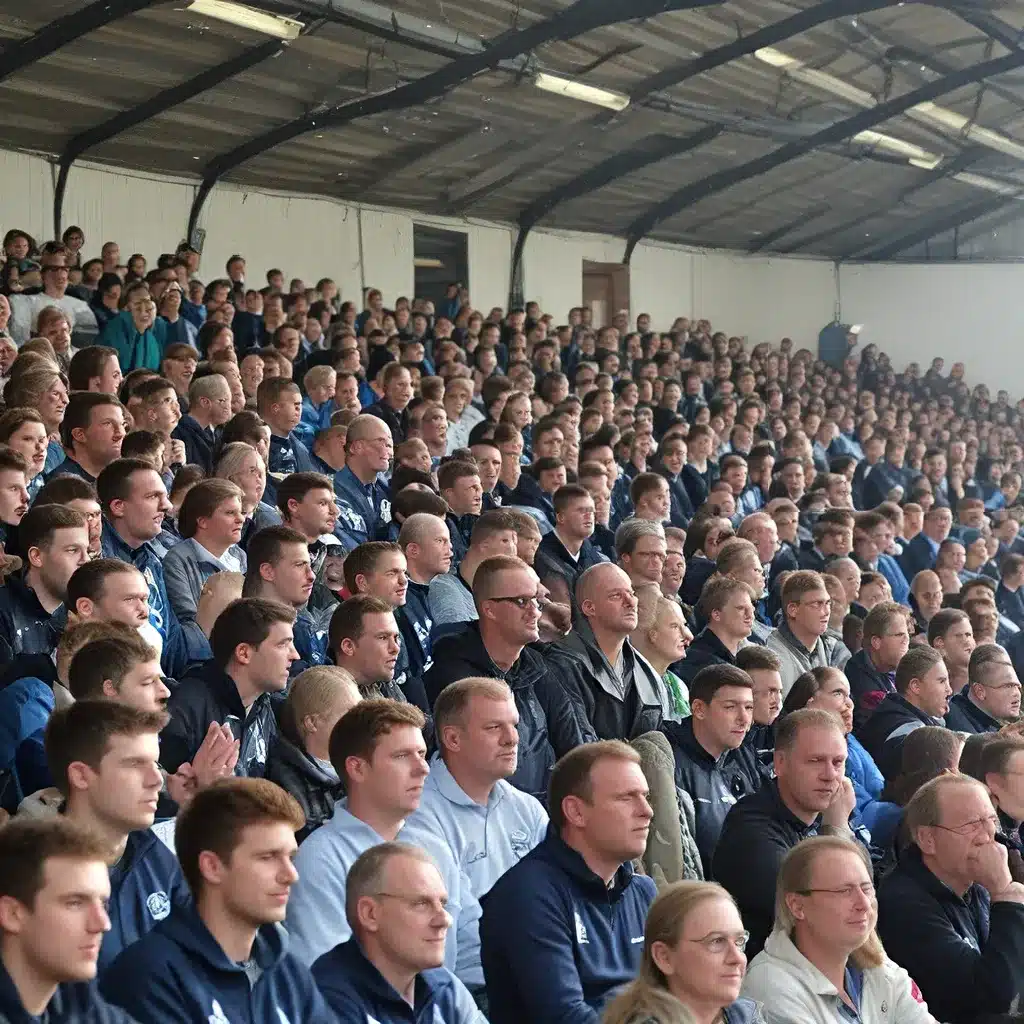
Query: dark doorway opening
x=440 y=258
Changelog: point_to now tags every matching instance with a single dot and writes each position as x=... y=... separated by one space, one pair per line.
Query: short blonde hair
x=313 y=692
x=77 y=635
x=318 y=376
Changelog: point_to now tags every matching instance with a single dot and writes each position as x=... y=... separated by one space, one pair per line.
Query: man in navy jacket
x=563 y=928
x=103 y=757
x=54 y=874
x=923 y=549
x=225 y=958
x=395 y=958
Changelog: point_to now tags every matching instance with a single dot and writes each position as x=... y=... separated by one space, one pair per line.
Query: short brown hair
x=788 y=729
x=571 y=775
x=245 y=621
x=881 y=617
x=296 y=486
x=924 y=806
x=452 y=702
x=358 y=730
x=803 y=581
x=112 y=658
x=487 y=573
x=917 y=662
x=41 y=522
x=717 y=592
x=347 y=620
x=218 y=814
x=363 y=558
x=202 y=501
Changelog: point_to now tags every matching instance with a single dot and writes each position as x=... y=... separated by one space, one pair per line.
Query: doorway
x=440 y=258
x=605 y=290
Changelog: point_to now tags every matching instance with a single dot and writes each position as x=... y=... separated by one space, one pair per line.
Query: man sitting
x=872 y=670
x=991 y=698
x=727 y=606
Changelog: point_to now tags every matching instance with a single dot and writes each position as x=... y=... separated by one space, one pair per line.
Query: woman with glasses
x=823 y=963
x=693 y=962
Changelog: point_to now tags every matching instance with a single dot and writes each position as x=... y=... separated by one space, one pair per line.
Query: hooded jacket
x=357 y=992
x=550 y=916
x=553 y=559
x=398 y=422
x=528 y=494
x=179 y=974
x=791 y=989
x=198 y=441
x=208 y=694
x=135 y=349
x=72 y=1003
x=796 y=659
x=715 y=784
x=619 y=706
x=550 y=724
x=25 y=626
x=300 y=774
x=966 y=716
x=706 y=649
x=868 y=686
x=882 y=735
x=965 y=952
x=144 y=886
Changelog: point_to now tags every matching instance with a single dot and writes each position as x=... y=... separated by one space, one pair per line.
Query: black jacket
x=813 y=559
x=868 y=686
x=705 y=650
x=208 y=694
x=698 y=571
x=882 y=735
x=758 y=833
x=299 y=774
x=965 y=716
x=965 y=953
x=528 y=494
x=714 y=783
x=553 y=559
x=550 y=725
x=199 y=444
x=25 y=626
x=681 y=508
x=398 y=422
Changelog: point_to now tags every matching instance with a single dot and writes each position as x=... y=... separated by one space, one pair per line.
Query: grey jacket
x=187 y=567
x=828 y=651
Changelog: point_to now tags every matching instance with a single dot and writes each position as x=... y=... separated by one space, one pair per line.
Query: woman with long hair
x=692 y=964
x=823 y=962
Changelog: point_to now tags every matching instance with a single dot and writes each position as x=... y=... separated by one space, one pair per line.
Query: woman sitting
x=692 y=964
x=829 y=689
x=823 y=962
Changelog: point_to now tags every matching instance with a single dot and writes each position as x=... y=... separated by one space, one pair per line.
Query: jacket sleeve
x=467 y=931
x=146 y=993
x=568 y=726
x=179 y=576
x=316 y=907
x=179 y=739
x=957 y=979
x=538 y=945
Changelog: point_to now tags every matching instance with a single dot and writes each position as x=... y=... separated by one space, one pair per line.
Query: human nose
x=98 y=920
x=162 y=691
x=288 y=875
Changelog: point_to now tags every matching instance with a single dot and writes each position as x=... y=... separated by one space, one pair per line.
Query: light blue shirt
x=485 y=841
x=316 y=907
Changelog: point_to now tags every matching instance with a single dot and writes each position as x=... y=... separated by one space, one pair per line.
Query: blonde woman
x=692 y=964
x=44 y=388
x=823 y=963
x=661 y=638
x=243 y=465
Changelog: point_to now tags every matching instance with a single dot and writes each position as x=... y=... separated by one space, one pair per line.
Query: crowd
x=397 y=661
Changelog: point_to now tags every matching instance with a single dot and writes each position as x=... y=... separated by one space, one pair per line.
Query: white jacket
x=793 y=989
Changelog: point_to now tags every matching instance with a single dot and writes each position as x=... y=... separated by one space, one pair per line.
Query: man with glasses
x=25 y=309
x=209 y=408
x=506 y=593
x=363 y=503
x=949 y=911
x=641 y=550
x=802 y=641
x=991 y=698
x=872 y=670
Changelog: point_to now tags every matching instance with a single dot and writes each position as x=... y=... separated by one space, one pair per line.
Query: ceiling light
x=1001 y=188
x=248 y=17
x=915 y=155
x=581 y=91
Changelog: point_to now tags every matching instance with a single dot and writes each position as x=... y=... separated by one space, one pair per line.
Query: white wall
x=960 y=311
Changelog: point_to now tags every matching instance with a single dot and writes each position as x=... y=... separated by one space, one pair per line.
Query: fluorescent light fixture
x=248 y=17
x=982 y=181
x=915 y=155
x=581 y=91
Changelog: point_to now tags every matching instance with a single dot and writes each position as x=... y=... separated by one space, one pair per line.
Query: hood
x=283 y=750
x=186 y=929
x=780 y=947
x=681 y=734
x=222 y=688
x=556 y=851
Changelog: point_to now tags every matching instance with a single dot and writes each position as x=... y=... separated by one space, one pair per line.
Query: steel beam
x=583 y=16
x=784 y=229
x=65 y=30
x=154 y=106
x=726 y=178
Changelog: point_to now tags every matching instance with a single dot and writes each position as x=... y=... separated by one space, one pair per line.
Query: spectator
x=378 y=751
x=363 y=504
x=872 y=670
x=426 y=544
x=459 y=484
x=307 y=505
x=808 y=796
x=487 y=823
x=823 y=960
x=641 y=550
x=53 y=876
x=235 y=843
x=951 y=634
x=393 y=405
x=299 y=756
x=727 y=606
x=923 y=550
x=252 y=652
x=567 y=551
x=928 y=752
x=712 y=762
x=991 y=698
x=662 y=638
x=209 y=408
x=365 y=641
x=400 y=941
x=279 y=403
x=505 y=592
x=121 y=667
x=693 y=961
x=102 y=757
x=739 y=560
x=572 y=908
x=800 y=642
x=949 y=911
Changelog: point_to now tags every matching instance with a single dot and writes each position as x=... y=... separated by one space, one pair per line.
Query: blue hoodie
x=144 y=884
x=178 y=974
x=551 y=917
x=357 y=992
x=72 y=1003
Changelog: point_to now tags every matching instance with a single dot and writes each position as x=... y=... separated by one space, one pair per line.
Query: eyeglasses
x=418 y=904
x=522 y=603
x=971 y=827
x=846 y=892
x=717 y=944
x=1005 y=686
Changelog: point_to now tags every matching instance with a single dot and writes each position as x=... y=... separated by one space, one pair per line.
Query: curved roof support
x=582 y=16
x=150 y=108
x=721 y=180
x=65 y=30
x=784 y=229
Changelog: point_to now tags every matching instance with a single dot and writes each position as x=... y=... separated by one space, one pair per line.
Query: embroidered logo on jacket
x=158 y=904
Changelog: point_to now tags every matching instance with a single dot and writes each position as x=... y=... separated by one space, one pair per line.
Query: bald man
x=363 y=503
x=623 y=695
x=427 y=545
x=926 y=589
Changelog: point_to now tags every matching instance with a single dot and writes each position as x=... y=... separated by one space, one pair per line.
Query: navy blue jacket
x=553 y=559
x=698 y=571
x=965 y=716
x=868 y=686
x=551 y=917
x=69 y=467
x=72 y=1003
x=289 y=455
x=357 y=992
x=528 y=494
x=199 y=443
x=698 y=484
x=310 y=643
x=880 y=481
x=25 y=626
x=917 y=556
x=883 y=734
x=178 y=974
x=415 y=624
x=364 y=509
x=681 y=508
x=965 y=953
x=144 y=885
x=706 y=649
x=1011 y=604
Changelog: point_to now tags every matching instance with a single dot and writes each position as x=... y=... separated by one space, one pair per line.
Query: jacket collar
x=683 y=735
x=779 y=946
x=784 y=814
x=790 y=637
x=349 y=959
x=118 y=547
x=443 y=781
x=187 y=929
x=572 y=863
